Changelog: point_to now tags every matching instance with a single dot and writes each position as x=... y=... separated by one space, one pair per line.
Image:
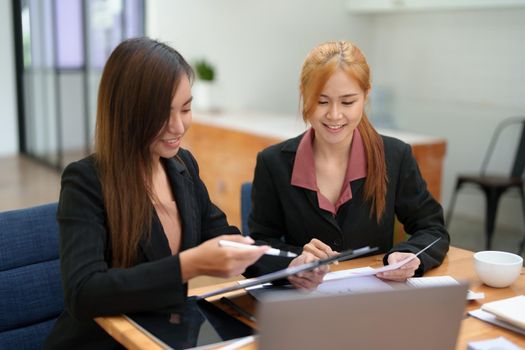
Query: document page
x=434 y=281
x=352 y=285
x=368 y=271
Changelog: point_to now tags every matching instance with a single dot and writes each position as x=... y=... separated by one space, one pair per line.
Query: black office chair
x=493 y=186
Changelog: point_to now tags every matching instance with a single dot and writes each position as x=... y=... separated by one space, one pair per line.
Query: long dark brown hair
x=134 y=98
x=318 y=67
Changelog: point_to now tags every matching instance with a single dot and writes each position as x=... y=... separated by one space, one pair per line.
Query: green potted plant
x=204 y=70
x=205 y=74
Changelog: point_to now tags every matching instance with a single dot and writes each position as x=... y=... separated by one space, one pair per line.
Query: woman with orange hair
x=340 y=185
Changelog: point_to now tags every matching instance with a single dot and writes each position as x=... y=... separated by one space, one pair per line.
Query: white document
x=352 y=285
x=500 y=343
x=490 y=318
x=337 y=283
x=441 y=281
x=368 y=271
x=359 y=272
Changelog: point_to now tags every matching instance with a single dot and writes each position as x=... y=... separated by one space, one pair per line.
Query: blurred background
x=451 y=70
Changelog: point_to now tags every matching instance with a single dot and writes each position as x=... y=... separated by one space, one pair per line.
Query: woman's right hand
x=318 y=249
x=210 y=259
x=314 y=250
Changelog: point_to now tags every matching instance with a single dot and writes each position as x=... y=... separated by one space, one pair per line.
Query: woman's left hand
x=402 y=273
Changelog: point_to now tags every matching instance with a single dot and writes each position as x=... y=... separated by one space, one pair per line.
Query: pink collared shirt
x=303 y=172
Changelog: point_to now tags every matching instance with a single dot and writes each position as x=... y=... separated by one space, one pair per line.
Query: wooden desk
x=226 y=146
x=458 y=264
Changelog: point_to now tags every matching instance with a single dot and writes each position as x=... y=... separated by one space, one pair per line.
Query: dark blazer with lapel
x=91 y=286
x=288 y=217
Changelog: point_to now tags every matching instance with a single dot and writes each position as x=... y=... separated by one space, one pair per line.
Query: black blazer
x=91 y=287
x=288 y=217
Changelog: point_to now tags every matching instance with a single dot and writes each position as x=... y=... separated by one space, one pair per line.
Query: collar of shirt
x=303 y=172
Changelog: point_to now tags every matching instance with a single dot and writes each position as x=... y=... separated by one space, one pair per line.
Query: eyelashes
x=349 y=103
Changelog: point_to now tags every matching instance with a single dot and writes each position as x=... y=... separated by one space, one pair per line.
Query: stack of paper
x=441 y=281
x=490 y=318
x=500 y=343
x=511 y=310
x=507 y=313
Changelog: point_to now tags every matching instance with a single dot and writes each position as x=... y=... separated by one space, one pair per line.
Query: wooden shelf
x=394 y=6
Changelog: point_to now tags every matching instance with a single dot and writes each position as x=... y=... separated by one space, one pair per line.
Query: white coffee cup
x=497 y=269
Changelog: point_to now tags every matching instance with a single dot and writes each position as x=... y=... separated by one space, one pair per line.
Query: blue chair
x=246 y=205
x=30 y=286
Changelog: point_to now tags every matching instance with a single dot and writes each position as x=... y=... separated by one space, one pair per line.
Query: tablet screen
x=202 y=323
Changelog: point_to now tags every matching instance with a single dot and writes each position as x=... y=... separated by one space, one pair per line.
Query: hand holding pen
x=209 y=258
x=270 y=251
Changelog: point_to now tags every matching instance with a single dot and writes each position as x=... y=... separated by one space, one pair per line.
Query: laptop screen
x=417 y=318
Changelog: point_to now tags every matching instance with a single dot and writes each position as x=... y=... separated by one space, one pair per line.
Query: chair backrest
x=246 y=205
x=519 y=160
x=31 y=295
x=518 y=165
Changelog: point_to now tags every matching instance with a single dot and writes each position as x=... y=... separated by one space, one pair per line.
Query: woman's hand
x=314 y=250
x=210 y=259
x=308 y=279
x=402 y=273
x=318 y=249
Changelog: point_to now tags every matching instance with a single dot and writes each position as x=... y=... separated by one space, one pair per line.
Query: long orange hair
x=318 y=67
x=134 y=98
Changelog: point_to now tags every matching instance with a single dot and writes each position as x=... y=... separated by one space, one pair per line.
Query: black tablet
x=200 y=324
x=345 y=255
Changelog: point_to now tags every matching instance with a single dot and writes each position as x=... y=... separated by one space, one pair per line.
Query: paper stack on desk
x=507 y=313
x=441 y=281
x=500 y=343
x=511 y=310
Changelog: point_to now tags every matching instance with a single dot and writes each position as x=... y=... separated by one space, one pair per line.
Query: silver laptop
x=416 y=318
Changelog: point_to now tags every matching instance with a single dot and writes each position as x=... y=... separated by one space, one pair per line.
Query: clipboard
x=345 y=255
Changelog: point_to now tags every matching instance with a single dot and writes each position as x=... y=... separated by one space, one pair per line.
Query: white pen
x=271 y=251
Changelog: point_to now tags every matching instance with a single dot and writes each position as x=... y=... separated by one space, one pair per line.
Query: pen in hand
x=271 y=251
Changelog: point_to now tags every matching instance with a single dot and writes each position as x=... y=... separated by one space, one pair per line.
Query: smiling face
x=167 y=143
x=339 y=110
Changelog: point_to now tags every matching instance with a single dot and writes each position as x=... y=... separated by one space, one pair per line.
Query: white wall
x=8 y=110
x=456 y=74
x=257 y=46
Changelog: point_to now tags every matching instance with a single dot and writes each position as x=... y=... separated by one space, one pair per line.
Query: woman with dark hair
x=341 y=185
x=136 y=222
